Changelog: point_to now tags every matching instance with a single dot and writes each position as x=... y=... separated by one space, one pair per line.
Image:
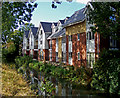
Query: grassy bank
x=13 y=84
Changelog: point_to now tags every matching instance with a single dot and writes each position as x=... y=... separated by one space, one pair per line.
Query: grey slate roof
x=62 y=21
x=46 y=26
x=58 y=34
x=26 y=33
x=34 y=30
x=55 y=24
x=76 y=17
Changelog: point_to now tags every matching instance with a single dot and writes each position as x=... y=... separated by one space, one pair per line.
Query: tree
x=13 y=15
x=54 y=2
x=105 y=17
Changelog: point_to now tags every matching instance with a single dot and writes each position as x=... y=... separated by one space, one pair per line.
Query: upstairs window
x=78 y=55
x=41 y=32
x=70 y=37
x=90 y=35
x=40 y=42
x=50 y=44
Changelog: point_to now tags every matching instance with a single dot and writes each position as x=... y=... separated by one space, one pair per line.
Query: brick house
x=76 y=39
x=55 y=42
x=96 y=43
x=70 y=41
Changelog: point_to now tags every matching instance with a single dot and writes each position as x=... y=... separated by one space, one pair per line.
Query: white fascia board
x=48 y=32
x=29 y=33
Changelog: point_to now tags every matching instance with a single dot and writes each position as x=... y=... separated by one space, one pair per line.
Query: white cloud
x=83 y=1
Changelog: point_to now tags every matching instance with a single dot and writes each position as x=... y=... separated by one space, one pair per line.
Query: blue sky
x=45 y=13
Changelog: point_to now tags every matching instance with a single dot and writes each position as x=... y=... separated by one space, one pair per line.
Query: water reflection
x=62 y=88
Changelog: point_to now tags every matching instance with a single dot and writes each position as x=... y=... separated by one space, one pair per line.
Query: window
x=87 y=36
x=41 y=32
x=78 y=55
x=78 y=36
x=113 y=43
x=90 y=35
x=50 y=44
x=70 y=37
x=90 y=59
x=40 y=42
x=56 y=56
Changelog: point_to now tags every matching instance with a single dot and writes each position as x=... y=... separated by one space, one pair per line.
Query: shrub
x=107 y=72
x=23 y=61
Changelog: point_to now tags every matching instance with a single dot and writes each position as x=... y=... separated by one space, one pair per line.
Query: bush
x=23 y=61
x=9 y=53
x=107 y=72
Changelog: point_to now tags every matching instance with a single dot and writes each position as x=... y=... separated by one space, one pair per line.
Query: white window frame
x=78 y=37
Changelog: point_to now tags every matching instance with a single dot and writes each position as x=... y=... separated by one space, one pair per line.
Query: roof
x=55 y=24
x=58 y=34
x=76 y=17
x=34 y=30
x=62 y=21
x=46 y=26
x=26 y=33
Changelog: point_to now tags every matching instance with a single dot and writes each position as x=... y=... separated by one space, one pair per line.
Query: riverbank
x=13 y=83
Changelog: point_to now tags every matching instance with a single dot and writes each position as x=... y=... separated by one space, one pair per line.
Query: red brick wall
x=53 y=50
x=79 y=46
x=67 y=49
x=46 y=54
x=39 y=55
x=27 y=52
x=33 y=53
x=102 y=42
x=49 y=48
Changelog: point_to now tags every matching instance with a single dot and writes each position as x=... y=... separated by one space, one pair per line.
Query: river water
x=66 y=89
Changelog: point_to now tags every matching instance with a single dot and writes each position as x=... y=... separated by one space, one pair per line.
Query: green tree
x=106 y=18
x=13 y=15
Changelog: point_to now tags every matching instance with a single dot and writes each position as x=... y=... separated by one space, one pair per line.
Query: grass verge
x=13 y=84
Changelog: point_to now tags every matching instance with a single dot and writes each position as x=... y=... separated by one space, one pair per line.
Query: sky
x=45 y=13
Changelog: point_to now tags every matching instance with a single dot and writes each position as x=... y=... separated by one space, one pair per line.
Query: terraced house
x=44 y=31
x=28 y=41
x=57 y=42
x=69 y=41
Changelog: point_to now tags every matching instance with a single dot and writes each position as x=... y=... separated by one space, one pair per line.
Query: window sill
x=113 y=49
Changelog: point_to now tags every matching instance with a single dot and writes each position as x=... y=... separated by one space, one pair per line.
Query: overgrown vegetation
x=69 y=74
x=107 y=72
x=13 y=83
x=81 y=76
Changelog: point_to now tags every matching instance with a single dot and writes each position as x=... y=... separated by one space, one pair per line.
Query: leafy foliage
x=9 y=53
x=107 y=72
x=105 y=17
x=47 y=86
x=13 y=15
x=23 y=61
